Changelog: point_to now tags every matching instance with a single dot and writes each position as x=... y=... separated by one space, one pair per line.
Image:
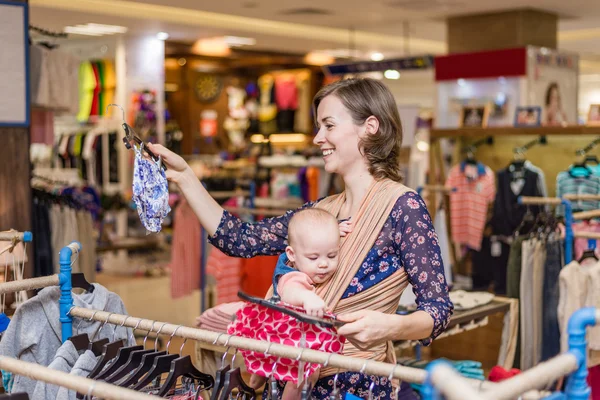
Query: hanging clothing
x=185 y=251
x=550 y=326
x=34 y=333
x=83 y=366
x=475 y=190
x=87 y=84
x=64 y=360
x=439 y=224
x=508 y=213
x=226 y=271
x=582 y=244
x=567 y=183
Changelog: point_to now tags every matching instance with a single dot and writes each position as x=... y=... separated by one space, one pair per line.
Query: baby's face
x=316 y=252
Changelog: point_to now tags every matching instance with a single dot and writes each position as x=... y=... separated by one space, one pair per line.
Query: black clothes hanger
x=78 y=281
x=587 y=254
x=109 y=352
x=234 y=380
x=98 y=346
x=162 y=365
x=123 y=355
x=183 y=367
x=15 y=396
x=219 y=381
x=81 y=342
x=134 y=361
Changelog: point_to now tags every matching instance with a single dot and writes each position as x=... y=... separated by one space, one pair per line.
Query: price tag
x=496 y=249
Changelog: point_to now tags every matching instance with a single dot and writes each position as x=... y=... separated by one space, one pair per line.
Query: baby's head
x=314 y=238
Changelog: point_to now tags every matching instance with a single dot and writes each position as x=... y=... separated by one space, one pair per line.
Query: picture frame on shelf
x=528 y=116
x=475 y=116
x=593 y=115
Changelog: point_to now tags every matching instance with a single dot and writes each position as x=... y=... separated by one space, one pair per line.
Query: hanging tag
x=496 y=249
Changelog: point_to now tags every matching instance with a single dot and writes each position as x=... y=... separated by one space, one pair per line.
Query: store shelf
x=511 y=131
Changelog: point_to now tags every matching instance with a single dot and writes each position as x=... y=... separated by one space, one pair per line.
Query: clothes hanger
x=161 y=365
x=15 y=396
x=146 y=363
x=109 y=352
x=81 y=342
x=234 y=380
x=587 y=254
x=131 y=138
x=220 y=374
x=183 y=367
x=134 y=361
x=121 y=358
x=78 y=281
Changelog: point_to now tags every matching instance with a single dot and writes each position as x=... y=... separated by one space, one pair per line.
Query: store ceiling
x=393 y=27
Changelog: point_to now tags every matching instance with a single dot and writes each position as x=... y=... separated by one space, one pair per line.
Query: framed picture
x=474 y=116
x=528 y=116
x=594 y=115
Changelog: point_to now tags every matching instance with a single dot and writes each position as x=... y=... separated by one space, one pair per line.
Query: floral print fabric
x=150 y=192
x=259 y=322
x=407 y=240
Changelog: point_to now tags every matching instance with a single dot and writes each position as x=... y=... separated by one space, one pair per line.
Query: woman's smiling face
x=338 y=137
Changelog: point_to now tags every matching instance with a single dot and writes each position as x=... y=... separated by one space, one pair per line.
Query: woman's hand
x=176 y=165
x=366 y=328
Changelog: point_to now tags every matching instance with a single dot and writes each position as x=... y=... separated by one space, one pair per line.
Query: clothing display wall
x=97 y=82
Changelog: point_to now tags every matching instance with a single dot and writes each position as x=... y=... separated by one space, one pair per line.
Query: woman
x=555 y=115
x=360 y=137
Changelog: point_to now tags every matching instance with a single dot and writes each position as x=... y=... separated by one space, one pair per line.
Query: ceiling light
x=377 y=56
x=211 y=47
x=422 y=146
x=92 y=29
x=462 y=82
x=236 y=41
x=392 y=74
x=162 y=35
x=318 y=58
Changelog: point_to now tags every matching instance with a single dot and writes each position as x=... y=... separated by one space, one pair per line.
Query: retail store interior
x=500 y=111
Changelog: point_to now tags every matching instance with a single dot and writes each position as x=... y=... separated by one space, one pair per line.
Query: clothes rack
x=15 y=236
x=222 y=339
x=573 y=362
x=63 y=279
x=80 y=384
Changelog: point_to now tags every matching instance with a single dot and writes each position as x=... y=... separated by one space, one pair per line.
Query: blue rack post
x=569 y=236
x=429 y=391
x=577 y=387
x=66 y=297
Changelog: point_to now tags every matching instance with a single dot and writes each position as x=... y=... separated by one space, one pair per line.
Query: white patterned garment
x=150 y=192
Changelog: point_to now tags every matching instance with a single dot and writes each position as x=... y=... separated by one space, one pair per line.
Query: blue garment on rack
x=7 y=381
x=150 y=192
x=4 y=321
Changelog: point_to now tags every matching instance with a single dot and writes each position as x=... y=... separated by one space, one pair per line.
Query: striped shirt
x=475 y=190
x=566 y=183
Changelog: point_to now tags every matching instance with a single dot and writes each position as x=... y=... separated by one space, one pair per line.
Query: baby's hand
x=345 y=228
x=314 y=305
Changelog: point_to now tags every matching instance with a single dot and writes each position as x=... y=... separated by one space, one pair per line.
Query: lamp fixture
x=377 y=56
x=162 y=35
x=392 y=74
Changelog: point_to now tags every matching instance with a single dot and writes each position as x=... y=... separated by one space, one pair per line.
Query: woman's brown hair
x=364 y=98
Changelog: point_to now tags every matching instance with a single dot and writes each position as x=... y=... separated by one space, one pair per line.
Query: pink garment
x=593 y=380
x=217 y=319
x=185 y=252
x=42 y=126
x=286 y=93
x=581 y=244
x=262 y=323
x=294 y=279
x=227 y=273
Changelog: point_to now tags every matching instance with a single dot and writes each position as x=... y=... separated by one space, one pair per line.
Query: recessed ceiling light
x=377 y=56
x=461 y=82
x=92 y=29
x=392 y=74
x=162 y=35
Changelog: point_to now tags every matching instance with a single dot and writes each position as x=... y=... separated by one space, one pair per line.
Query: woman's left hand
x=366 y=328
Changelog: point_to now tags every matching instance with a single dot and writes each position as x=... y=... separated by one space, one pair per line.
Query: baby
x=310 y=259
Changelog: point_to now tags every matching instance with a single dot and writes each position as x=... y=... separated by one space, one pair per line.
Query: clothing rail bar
x=534 y=378
x=80 y=384
x=11 y=235
x=586 y=214
x=587 y=235
x=29 y=284
x=573 y=197
x=318 y=357
x=448 y=382
x=540 y=200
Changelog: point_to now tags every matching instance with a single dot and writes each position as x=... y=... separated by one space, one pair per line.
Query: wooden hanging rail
x=29 y=284
x=452 y=385
x=578 y=216
x=587 y=235
x=79 y=384
x=574 y=197
x=294 y=353
x=9 y=236
x=540 y=200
